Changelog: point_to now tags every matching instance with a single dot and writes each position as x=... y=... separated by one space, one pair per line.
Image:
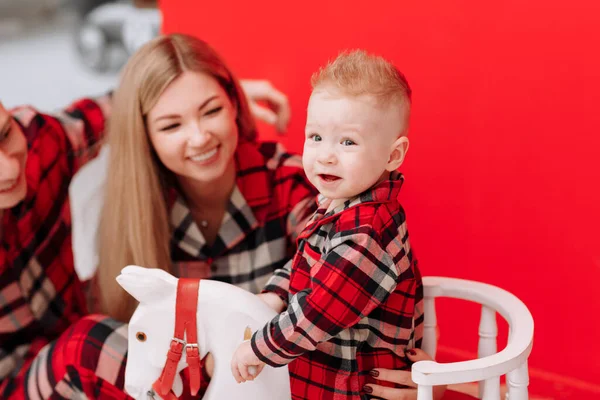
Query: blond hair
x=357 y=73
x=135 y=228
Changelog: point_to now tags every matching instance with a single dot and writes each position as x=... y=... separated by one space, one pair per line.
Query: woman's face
x=193 y=128
x=13 y=155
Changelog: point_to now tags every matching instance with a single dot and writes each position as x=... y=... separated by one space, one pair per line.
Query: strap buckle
x=192 y=350
x=181 y=341
x=184 y=345
x=177 y=346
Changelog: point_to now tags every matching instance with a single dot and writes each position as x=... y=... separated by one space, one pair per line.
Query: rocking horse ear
x=146 y=284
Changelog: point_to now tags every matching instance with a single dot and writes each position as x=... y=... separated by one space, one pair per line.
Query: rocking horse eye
x=140 y=336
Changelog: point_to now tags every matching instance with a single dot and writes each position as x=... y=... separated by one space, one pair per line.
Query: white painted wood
x=425 y=392
x=224 y=313
x=518 y=381
x=490 y=389
x=514 y=356
x=430 y=331
x=488 y=333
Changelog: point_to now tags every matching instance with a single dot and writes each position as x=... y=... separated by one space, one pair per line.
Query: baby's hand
x=243 y=358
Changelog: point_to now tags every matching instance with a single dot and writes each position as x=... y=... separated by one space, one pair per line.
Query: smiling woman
x=187 y=114
x=195 y=137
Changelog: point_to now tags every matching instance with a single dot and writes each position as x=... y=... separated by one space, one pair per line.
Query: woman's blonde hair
x=135 y=228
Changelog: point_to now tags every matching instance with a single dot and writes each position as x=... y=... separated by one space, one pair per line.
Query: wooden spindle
x=488 y=345
x=425 y=392
x=518 y=381
x=429 y=330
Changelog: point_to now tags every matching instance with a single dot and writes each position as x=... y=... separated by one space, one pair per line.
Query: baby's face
x=348 y=142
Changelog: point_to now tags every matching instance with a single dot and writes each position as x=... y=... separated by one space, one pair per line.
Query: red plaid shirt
x=355 y=298
x=39 y=294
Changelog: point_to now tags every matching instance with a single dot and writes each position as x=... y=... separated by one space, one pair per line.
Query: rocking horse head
x=162 y=340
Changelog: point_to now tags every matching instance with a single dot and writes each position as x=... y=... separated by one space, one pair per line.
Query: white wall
x=39 y=65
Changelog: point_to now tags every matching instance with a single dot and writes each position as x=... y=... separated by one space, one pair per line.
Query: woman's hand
x=277 y=110
x=402 y=378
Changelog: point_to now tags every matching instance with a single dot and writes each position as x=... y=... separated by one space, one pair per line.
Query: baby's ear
x=399 y=150
x=145 y=284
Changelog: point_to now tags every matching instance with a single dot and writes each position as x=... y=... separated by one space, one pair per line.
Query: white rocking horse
x=221 y=312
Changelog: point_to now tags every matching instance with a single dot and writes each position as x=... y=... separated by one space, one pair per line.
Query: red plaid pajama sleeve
x=40 y=295
x=280 y=282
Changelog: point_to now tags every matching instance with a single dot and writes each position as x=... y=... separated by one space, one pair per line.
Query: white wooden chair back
x=490 y=364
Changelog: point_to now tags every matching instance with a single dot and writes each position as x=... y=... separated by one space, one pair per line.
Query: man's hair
x=358 y=73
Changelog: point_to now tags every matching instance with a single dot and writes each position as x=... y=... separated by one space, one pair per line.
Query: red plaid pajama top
x=41 y=296
x=355 y=298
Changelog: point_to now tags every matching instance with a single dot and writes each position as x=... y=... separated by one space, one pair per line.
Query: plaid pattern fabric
x=355 y=298
x=259 y=229
x=87 y=361
x=40 y=295
x=271 y=199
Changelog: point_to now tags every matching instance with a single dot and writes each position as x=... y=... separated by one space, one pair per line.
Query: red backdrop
x=502 y=174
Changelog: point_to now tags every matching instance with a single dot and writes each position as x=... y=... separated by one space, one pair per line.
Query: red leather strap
x=193 y=361
x=168 y=396
x=186 y=307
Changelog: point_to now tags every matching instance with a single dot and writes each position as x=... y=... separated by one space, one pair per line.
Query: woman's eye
x=140 y=336
x=214 y=111
x=169 y=127
x=348 y=142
